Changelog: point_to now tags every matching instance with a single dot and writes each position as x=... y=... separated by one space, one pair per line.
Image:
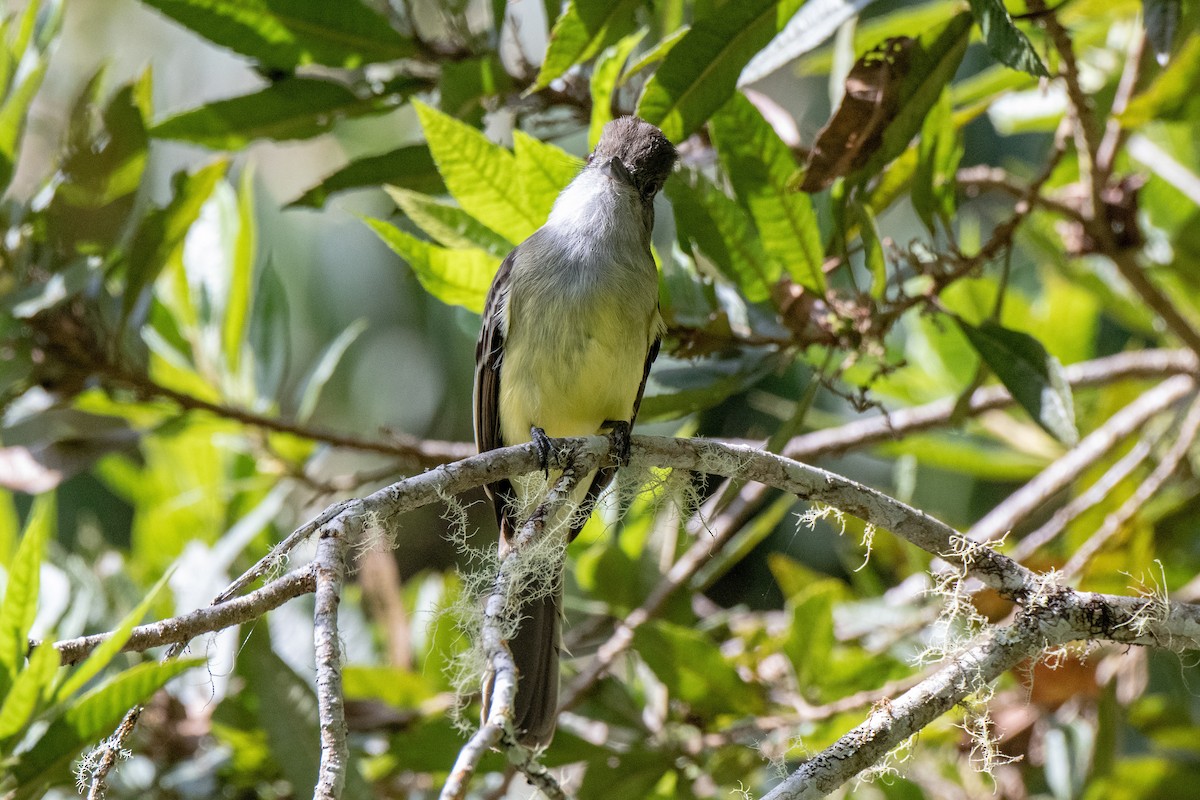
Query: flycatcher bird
x=570 y=328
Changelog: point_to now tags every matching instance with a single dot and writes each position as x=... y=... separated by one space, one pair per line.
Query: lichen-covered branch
x=330 y=569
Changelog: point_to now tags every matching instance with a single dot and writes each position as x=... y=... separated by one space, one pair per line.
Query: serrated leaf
x=89 y=719
x=108 y=649
x=708 y=220
x=410 y=167
x=584 y=29
x=458 y=277
x=163 y=231
x=693 y=669
x=21 y=592
x=1005 y=42
x=543 y=171
x=293 y=108
x=759 y=166
x=700 y=72
x=284 y=34
x=323 y=370
x=815 y=22
x=31 y=684
x=1034 y=377
x=603 y=84
x=448 y=224
x=480 y=175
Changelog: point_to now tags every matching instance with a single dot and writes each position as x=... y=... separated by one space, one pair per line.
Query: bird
x=570 y=327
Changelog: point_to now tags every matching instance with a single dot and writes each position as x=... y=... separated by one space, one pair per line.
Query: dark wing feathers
x=489 y=354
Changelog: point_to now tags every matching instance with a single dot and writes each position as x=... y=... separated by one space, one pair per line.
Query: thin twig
x=184 y=628
x=1056 y=618
x=423 y=452
x=1037 y=492
x=1117 y=521
x=1095 y=493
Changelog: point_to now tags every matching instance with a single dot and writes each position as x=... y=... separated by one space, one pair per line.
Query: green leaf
x=700 y=73
x=102 y=168
x=1034 y=377
x=411 y=167
x=1172 y=94
x=287 y=711
x=693 y=669
x=284 y=34
x=812 y=24
x=21 y=593
x=873 y=256
x=583 y=30
x=676 y=388
x=108 y=649
x=971 y=456
x=709 y=221
x=809 y=641
x=89 y=719
x=270 y=331
x=10 y=529
x=458 y=277
x=294 y=108
x=654 y=54
x=480 y=175
x=448 y=224
x=543 y=171
x=604 y=82
x=933 y=61
x=163 y=230
x=465 y=84
x=1005 y=42
x=759 y=165
x=31 y=684
x=324 y=368
x=938 y=154
x=14 y=113
x=1161 y=19
x=241 y=279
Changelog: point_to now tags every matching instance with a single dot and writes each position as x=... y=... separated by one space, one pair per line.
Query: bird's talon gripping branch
x=544 y=447
x=619 y=434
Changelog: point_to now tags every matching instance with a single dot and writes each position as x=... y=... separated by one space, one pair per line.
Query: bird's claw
x=544 y=448
x=619 y=435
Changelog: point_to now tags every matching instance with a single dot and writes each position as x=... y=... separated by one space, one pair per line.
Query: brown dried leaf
x=856 y=129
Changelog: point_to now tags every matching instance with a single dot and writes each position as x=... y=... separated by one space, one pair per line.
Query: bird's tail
x=535 y=649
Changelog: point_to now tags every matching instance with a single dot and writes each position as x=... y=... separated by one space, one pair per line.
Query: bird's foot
x=619 y=434
x=544 y=448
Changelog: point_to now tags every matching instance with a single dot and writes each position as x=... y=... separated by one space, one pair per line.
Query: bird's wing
x=489 y=355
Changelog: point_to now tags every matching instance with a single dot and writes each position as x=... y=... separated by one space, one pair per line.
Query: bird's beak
x=615 y=169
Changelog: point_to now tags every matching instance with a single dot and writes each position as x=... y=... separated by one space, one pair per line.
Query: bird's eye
x=589 y=158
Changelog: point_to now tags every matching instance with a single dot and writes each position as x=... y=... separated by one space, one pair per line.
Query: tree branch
x=182 y=629
x=330 y=571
